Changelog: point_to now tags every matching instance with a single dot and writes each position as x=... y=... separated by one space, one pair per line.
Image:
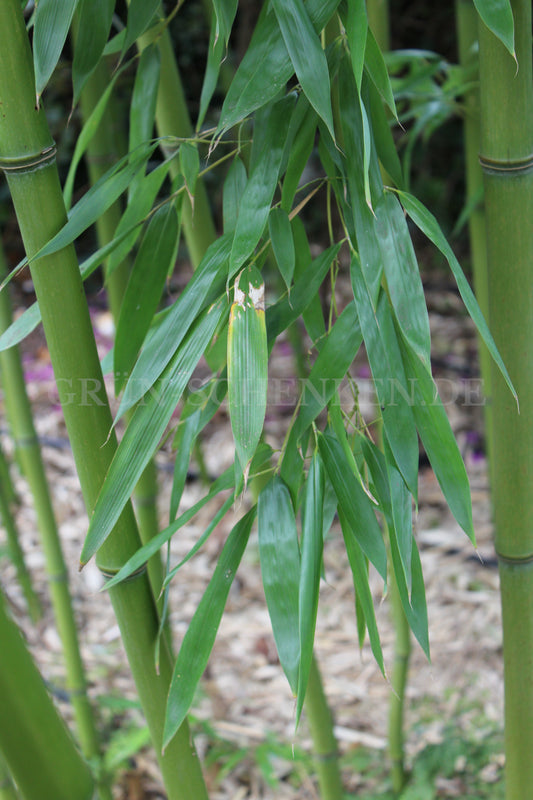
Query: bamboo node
x=508 y=166
x=110 y=573
x=31 y=162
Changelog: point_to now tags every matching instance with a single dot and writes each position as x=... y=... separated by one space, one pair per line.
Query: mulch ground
x=244 y=695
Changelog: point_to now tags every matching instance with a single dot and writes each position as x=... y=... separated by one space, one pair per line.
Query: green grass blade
x=280 y=570
x=427 y=223
x=307 y=56
x=144 y=432
x=200 y=637
x=51 y=23
x=354 y=502
x=144 y=289
x=311 y=564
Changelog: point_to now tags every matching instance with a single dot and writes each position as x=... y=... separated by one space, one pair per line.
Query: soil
x=244 y=696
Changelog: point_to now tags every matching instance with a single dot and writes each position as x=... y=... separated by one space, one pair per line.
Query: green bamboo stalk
x=399 y=675
x=21 y=422
x=38 y=749
x=467 y=37
x=33 y=180
x=5 y=474
x=15 y=550
x=172 y=119
x=7 y=788
x=507 y=161
x=325 y=750
x=106 y=146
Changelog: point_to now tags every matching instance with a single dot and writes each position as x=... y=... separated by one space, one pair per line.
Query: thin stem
x=325 y=750
x=400 y=670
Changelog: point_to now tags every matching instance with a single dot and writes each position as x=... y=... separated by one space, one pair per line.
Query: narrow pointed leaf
x=144 y=97
x=311 y=563
x=354 y=503
x=498 y=17
x=427 y=223
x=259 y=191
x=51 y=24
x=299 y=154
x=144 y=432
x=247 y=365
x=140 y=16
x=145 y=288
x=94 y=24
x=190 y=167
x=198 y=641
x=377 y=69
x=307 y=56
x=234 y=187
x=356 y=32
x=280 y=230
x=280 y=570
x=363 y=594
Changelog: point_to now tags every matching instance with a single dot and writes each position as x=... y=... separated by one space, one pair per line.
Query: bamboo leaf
x=300 y=151
x=21 y=327
x=439 y=442
x=215 y=54
x=94 y=24
x=356 y=33
x=259 y=191
x=140 y=16
x=144 y=289
x=234 y=187
x=389 y=376
x=201 y=633
x=280 y=569
x=307 y=56
x=247 y=365
x=383 y=138
x=313 y=315
x=377 y=69
x=144 y=432
x=354 y=502
x=51 y=24
x=190 y=167
x=205 y=285
x=280 y=231
x=427 y=223
x=363 y=594
x=311 y=563
x=144 y=97
x=266 y=66
x=498 y=17
x=225 y=11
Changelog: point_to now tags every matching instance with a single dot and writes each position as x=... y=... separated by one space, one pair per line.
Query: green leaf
x=280 y=230
x=279 y=554
x=259 y=191
x=307 y=56
x=144 y=289
x=204 y=287
x=247 y=365
x=21 y=327
x=190 y=167
x=311 y=563
x=266 y=66
x=363 y=594
x=50 y=28
x=140 y=16
x=377 y=69
x=234 y=187
x=498 y=17
x=201 y=633
x=354 y=502
x=300 y=151
x=313 y=315
x=143 y=101
x=389 y=377
x=221 y=24
x=356 y=33
x=439 y=442
x=94 y=24
x=383 y=138
x=427 y=223
x=224 y=15
x=144 y=432
x=404 y=283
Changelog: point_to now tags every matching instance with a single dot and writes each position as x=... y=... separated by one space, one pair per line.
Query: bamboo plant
x=506 y=160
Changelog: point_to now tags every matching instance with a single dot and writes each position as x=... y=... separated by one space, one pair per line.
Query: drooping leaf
x=307 y=56
x=259 y=191
x=356 y=33
x=200 y=637
x=144 y=290
x=140 y=16
x=383 y=138
x=190 y=167
x=20 y=327
x=313 y=314
x=359 y=570
x=144 y=432
x=280 y=230
x=354 y=502
x=498 y=17
x=94 y=24
x=377 y=69
x=280 y=570
x=50 y=28
x=311 y=563
x=221 y=24
x=247 y=365
x=298 y=156
x=427 y=223
x=143 y=101
x=234 y=187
